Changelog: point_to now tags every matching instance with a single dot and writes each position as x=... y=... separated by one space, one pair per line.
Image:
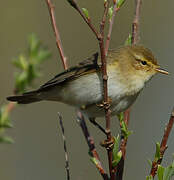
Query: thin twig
x=91 y=145
x=135 y=24
x=11 y=106
x=87 y=20
x=103 y=21
x=65 y=147
x=57 y=34
x=163 y=145
x=111 y=22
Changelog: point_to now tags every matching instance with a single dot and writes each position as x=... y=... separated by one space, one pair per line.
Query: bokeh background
x=38 y=149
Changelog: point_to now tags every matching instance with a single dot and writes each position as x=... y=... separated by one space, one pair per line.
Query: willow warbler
x=128 y=68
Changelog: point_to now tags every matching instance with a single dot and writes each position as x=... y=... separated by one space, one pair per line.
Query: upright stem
x=111 y=22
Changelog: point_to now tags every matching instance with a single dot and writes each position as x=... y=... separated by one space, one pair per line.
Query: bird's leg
x=92 y=120
x=106 y=144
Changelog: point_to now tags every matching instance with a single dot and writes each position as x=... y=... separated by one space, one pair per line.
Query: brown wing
x=86 y=66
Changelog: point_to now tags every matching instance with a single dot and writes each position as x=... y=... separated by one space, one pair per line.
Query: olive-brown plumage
x=128 y=69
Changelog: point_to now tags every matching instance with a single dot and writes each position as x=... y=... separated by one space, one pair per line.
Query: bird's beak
x=162 y=71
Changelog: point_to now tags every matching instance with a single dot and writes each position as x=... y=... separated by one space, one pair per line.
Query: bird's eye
x=143 y=62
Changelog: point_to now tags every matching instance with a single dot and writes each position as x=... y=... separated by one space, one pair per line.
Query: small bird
x=129 y=68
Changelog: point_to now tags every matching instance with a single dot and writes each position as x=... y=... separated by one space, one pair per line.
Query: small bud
x=85 y=11
x=128 y=40
x=157 y=154
x=110 y=12
x=120 y=3
x=117 y=160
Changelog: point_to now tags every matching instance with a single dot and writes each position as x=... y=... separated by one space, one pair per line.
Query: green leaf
x=116 y=147
x=34 y=44
x=42 y=55
x=21 y=81
x=23 y=62
x=149 y=178
x=31 y=74
x=117 y=159
x=4 y=119
x=6 y=139
x=128 y=40
x=160 y=172
x=157 y=153
x=120 y=3
x=169 y=172
x=110 y=12
x=149 y=162
x=121 y=116
x=86 y=13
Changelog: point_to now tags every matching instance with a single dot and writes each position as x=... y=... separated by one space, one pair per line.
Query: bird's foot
x=105 y=104
x=108 y=144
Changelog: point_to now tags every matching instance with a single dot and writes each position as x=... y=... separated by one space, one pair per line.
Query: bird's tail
x=25 y=98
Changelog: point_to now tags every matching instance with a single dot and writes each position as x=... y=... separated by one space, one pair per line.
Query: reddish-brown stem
x=103 y=21
x=163 y=145
x=135 y=24
x=91 y=145
x=111 y=22
x=10 y=106
x=106 y=104
x=57 y=34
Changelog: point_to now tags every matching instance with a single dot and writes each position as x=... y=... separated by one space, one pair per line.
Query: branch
x=111 y=22
x=65 y=148
x=135 y=24
x=91 y=145
x=106 y=101
x=86 y=19
x=57 y=34
x=163 y=145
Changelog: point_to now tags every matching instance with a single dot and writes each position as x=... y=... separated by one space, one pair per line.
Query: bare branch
x=135 y=25
x=111 y=22
x=163 y=145
x=57 y=34
x=65 y=147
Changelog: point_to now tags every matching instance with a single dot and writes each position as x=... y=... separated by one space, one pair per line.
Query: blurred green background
x=38 y=149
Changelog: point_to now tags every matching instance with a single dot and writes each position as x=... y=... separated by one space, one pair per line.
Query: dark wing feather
x=83 y=67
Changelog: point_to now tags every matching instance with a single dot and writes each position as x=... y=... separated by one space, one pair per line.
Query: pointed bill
x=162 y=71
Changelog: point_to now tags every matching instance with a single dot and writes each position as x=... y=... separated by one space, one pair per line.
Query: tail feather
x=26 y=98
